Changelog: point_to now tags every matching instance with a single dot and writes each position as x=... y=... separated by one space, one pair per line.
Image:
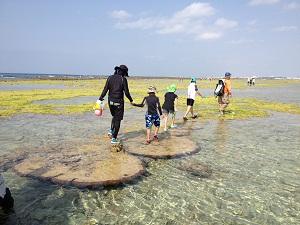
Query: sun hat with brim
x=172 y=88
x=2 y=187
x=124 y=69
x=151 y=89
x=193 y=80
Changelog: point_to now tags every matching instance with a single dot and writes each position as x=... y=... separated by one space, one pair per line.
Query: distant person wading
x=223 y=100
x=116 y=85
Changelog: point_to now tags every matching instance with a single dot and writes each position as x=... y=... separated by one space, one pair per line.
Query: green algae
x=24 y=101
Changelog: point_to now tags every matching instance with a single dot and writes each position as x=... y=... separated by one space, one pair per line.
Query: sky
x=153 y=38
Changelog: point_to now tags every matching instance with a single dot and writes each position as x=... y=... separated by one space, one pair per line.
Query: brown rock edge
x=92 y=170
x=170 y=145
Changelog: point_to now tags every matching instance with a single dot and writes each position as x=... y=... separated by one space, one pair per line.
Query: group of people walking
x=116 y=85
x=251 y=81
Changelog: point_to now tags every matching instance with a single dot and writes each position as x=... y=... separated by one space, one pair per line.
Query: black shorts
x=168 y=111
x=190 y=102
x=116 y=110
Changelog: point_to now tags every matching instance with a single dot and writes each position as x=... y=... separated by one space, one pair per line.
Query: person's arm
x=229 y=88
x=126 y=90
x=198 y=92
x=105 y=90
x=140 y=105
x=159 y=107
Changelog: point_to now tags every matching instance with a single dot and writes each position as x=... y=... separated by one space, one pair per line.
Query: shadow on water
x=39 y=203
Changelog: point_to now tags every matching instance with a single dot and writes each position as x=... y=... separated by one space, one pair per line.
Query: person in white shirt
x=192 y=91
x=253 y=81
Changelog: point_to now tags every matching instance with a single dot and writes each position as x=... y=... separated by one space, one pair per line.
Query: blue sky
x=202 y=38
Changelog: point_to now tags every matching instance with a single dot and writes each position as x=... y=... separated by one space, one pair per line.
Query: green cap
x=172 y=88
x=193 y=80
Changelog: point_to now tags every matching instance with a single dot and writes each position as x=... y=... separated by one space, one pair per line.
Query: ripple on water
x=254 y=176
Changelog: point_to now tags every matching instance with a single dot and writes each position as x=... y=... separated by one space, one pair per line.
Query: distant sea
x=6 y=76
x=46 y=76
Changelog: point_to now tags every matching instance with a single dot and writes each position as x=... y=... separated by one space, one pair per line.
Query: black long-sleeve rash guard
x=116 y=86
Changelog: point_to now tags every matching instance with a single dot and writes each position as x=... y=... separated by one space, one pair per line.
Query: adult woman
x=116 y=85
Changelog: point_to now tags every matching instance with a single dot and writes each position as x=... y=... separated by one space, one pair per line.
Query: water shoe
x=114 y=141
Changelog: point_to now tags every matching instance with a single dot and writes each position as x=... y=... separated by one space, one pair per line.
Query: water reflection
x=255 y=177
x=221 y=135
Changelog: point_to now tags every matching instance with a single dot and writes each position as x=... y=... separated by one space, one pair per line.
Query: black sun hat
x=124 y=70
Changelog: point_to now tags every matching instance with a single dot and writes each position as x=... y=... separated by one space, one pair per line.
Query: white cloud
x=285 y=28
x=120 y=14
x=226 y=24
x=192 y=21
x=292 y=6
x=263 y=2
x=209 y=35
x=195 y=10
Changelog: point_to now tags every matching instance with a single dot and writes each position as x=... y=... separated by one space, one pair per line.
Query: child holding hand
x=153 y=113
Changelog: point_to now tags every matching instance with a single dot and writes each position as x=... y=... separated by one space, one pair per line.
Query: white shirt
x=192 y=91
x=2 y=187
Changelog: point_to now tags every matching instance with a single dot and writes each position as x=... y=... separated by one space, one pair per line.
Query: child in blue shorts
x=153 y=113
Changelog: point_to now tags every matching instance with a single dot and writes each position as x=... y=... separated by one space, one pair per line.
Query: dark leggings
x=115 y=126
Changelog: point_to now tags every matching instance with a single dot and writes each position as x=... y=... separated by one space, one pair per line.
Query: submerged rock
x=196 y=169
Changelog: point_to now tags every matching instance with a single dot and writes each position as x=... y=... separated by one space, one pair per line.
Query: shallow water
x=287 y=94
x=255 y=175
x=19 y=87
x=69 y=101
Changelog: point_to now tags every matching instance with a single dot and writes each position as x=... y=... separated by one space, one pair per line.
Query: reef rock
x=82 y=165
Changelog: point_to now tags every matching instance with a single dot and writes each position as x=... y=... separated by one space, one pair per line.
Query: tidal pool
x=69 y=101
x=254 y=174
x=19 y=87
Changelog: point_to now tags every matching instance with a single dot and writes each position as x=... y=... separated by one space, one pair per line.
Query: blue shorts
x=152 y=119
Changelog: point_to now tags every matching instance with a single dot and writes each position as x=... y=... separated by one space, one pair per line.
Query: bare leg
x=166 y=121
x=188 y=110
x=173 y=119
x=156 y=131
x=148 y=134
x=192 y=111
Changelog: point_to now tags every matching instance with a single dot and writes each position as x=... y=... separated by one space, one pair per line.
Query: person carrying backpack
x=116 y=85
x=223 y=91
